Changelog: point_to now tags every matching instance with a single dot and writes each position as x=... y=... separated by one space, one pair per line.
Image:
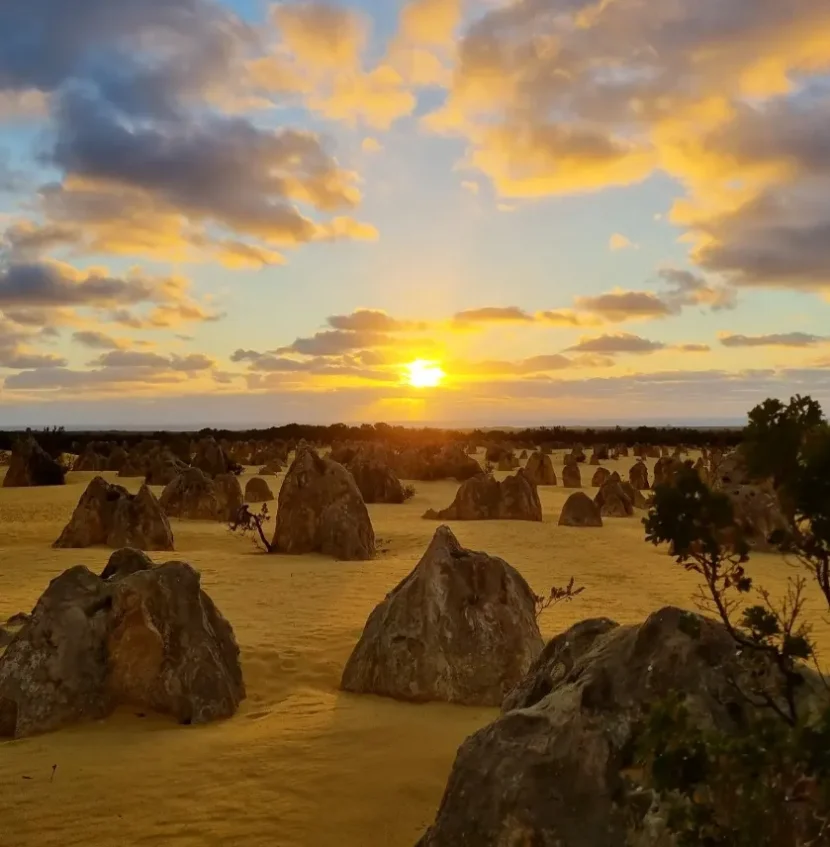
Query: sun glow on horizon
x=423 y=373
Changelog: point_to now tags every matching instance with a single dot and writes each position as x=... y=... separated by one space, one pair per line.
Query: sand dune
x=301 y=763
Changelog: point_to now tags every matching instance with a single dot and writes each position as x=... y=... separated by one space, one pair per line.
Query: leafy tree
x=766 y=784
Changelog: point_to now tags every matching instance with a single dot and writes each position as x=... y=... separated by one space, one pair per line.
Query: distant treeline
x=56 y=439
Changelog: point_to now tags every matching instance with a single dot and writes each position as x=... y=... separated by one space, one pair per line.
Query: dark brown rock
x=550 y=772
x=124 y=562
x=320 y=509
x=192 y=495
x=229 y=495
x=460 y=628
x=257 y=491
x=757 y=513
x=600 y=477
x=108 y=514
x=210 y=458
x=540 y=470
x=150 y=639
x=571 y=477
x=580 y=510
x=31 y=465
x=638 y=476
x=377 y=481
x=485 y=498
x=613 y=501
x=89 y=460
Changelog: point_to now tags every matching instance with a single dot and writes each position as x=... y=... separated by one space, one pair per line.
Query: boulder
x=271 y=469
x=594 y=459
x=210 y=458
x=634 y=495
x=551 y=771
x=89 y=460
x=117 y=459
x=460 y=628
x=229 y=495
x=540 y=470
x=580 y=510
x=757 y=513
x=148 y=639
x=31 y=465
x=571 y=477
x=257 y=491
x=613 y=501
x=108 y=514
x=600 y=477
x=192 y=495
x=485 y=498
x=577 y=454
x=508 y=463
x=320 y=509
x=162 y=468
x=377 y=481
x=638 y=476
x=124 y=562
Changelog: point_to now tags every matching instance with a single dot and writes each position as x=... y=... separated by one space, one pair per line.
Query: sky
x=245 y=213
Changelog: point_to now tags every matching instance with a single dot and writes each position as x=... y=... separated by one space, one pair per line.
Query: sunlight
x=424 y=374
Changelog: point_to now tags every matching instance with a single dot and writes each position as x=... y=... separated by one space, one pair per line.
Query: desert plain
x=301 y=763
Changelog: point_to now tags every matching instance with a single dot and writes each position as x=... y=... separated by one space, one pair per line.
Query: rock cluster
x=485 y=498
x=145 y=636
x=460 y=628
x=31 y=465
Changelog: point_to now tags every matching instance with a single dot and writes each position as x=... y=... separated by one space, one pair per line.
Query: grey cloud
x=618 y=306
x=335 y=342
x=494 y=314
x=622 y=342
x=373 y=320
x=779 y=339
x=144 y=359
x=96 y=340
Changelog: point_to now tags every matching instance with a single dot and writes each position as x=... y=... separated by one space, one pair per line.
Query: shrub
x=767 y=783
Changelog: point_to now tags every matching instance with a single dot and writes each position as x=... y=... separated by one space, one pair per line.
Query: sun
x=424 y=374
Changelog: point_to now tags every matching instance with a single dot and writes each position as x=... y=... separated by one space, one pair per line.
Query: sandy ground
x=301 y=763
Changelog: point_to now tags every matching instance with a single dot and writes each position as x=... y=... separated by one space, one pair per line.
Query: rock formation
x=638 y=476
x=108 y=514
x=571 y=477
x=580 y=510
x=600 y=477
x=377 y=481
x=192 y=495
x=31 y=465
x=613 y=501
x=151 y=639
x=485 y=498
x=460 y=628
x=540 y=470
x=320 y=509
x=257 y=491
x=229 y=495
x=551 y=770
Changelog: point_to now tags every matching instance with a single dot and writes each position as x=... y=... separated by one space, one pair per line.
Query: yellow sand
x=301 y=763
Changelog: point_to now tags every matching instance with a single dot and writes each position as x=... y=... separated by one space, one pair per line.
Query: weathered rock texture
x=550 y=771
x=31 y=465
x=151 y=639
x=192 y=496
x=320 y=509
x=485 y=498
x=257 y=491
x=539 y=469
x=460 y=628
x=580 y=510
x=613 y=501
x=108 y=514
x=638 y=476
x=571 y=477
x=376 y=480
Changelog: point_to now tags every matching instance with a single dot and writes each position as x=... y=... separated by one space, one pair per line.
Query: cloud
x=334 y=342
x=693 y=348
x=781 y=339
x=373 y=320
x=493 y=314
x=620 y=242
x=371 y=145
x=44 y=287
x=97 y=340
x=618 y=306
x=620 y=342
